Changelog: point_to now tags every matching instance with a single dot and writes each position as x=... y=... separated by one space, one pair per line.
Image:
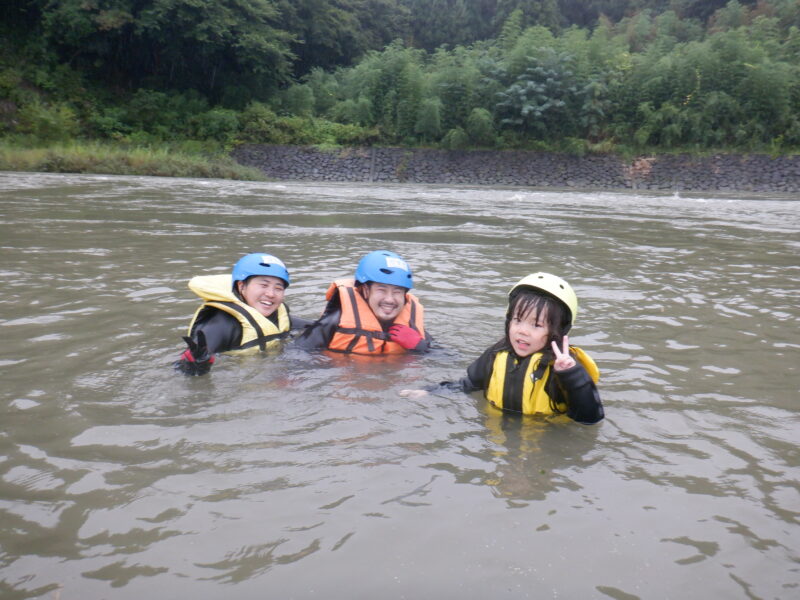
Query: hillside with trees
x=567 y=75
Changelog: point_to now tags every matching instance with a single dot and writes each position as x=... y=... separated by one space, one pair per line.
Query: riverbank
x=114 y=159
x=680 y=172
x=726 y=173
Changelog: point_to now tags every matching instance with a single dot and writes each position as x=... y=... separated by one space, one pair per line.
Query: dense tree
x=543 y=101
x=429 y=120
x=702 y=9
x=207 y=45
x=533 y=12
x=435 y=23
x=454 y=78
x=480 y=127
x=665 y=73
x=327 y=33
x=586 y=13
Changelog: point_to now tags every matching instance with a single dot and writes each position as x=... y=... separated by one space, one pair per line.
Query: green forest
x=558 y=75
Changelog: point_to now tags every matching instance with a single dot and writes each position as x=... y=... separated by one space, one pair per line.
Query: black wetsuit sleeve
x=299 y=323
x=581 y=395
x=477 y=375
x=223 y=332
x=481 y=368
x=214 y=331
x=318 y=333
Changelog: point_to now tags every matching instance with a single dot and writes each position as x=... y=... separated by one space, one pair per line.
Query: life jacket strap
x=540 y=369
x=357 y=331
x=513 y=386
x=263 y=340
x=260 y=339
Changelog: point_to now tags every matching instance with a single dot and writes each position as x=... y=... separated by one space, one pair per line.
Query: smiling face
x=529 y=332
x=385 y=300
x=262 y=292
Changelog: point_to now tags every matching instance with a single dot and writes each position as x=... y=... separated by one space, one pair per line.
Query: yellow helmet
x=553 y=285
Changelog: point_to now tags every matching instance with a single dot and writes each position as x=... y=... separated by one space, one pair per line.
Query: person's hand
x=195 y=359
x=413 y=393
x=563 y=359
x=405 y=336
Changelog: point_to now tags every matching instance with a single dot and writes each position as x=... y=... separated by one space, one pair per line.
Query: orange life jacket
x=359 y=330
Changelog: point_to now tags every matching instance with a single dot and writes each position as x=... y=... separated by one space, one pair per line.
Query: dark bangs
x=533 y=302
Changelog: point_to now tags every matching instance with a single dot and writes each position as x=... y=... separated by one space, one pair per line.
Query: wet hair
x=236 y=291
x=362 y=287
x=530 y=301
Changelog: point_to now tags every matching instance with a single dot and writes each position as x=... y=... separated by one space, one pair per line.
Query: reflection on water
x=305 y=476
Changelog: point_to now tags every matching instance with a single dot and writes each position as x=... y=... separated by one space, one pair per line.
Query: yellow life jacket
x=258 y=332
x=359 y=330
x=526 y=384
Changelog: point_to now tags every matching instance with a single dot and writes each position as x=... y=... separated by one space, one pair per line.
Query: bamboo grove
x=552 y=74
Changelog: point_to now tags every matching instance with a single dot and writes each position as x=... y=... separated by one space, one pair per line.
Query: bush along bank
x=115 y=159
x=680 y=172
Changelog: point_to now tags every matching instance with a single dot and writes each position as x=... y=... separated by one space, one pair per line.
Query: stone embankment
x=722 y=173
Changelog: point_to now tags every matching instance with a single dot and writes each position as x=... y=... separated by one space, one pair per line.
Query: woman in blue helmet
x=372 y=314
x=241 y=313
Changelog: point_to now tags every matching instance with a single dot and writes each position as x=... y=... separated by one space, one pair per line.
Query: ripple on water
x=284 y=472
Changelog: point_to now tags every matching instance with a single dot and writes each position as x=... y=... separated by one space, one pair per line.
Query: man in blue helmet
x=241 y=313
x=374 y=313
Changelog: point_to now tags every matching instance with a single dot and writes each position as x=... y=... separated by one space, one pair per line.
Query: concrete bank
x=723 y=172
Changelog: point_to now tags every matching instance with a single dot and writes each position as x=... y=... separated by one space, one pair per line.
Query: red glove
x=405 y=336
x=188 y=356
x=195 y=359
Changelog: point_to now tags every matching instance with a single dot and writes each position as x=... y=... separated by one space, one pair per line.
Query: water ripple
x=304 y=474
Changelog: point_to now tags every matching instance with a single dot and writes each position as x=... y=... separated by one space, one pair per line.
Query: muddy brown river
x=305 y=476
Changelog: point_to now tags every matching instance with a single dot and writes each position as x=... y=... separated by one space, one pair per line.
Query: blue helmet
x=260 y=264
x=383 y=266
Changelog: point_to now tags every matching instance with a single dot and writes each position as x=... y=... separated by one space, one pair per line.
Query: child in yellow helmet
x=533 y=369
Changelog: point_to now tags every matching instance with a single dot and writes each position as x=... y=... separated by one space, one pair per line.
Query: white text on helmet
x=397 y=263
x=269 y=259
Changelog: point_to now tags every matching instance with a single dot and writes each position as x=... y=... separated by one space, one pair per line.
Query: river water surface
x=306 y=476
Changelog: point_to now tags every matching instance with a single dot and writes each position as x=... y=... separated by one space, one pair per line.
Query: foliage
x=259 y=124
x=96 y=157
x=667 y=74
x=327 y=34
x=109 y=122
x=542 y=100
x=455 y=139
x=48 y=123
x=480 y=127
x=204 y=45
x=356 y=112
x=429 y=120
x=216 y=124
x=297 y=100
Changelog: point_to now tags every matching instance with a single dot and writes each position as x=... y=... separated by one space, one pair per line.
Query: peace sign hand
x=563 y=359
